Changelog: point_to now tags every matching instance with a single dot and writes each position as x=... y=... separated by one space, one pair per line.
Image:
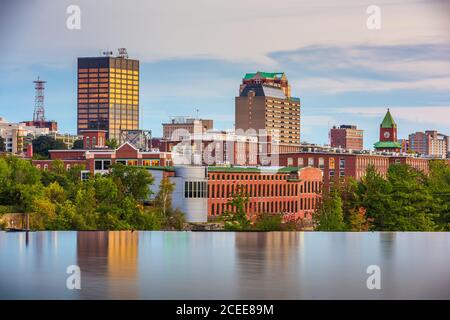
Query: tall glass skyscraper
x=108 y=94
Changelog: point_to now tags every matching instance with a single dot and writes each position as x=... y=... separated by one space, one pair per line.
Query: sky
x=194 y=54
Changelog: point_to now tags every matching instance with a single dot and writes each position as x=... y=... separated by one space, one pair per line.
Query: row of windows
x=265 y=177
x=259 y=190
x=105 y=164
x=260 y=207
x=195 y=189
x=311 y=162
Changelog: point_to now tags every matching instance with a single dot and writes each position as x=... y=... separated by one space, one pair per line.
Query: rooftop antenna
x=39 y=110
x=123 y=53
x=196 y=112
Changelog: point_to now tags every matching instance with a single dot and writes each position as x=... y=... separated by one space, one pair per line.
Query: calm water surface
x=208 y=265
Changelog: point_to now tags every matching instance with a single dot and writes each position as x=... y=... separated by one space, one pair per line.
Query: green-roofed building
x=265 y=103
x=388 y=135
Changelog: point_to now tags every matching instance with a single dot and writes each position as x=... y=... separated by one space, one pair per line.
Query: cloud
x=436 y=115
x=229 y=30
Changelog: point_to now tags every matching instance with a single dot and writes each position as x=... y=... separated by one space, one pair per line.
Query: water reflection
x=190 y=265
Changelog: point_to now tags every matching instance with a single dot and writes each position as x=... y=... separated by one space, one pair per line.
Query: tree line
x=57 y=199
x=405 y=199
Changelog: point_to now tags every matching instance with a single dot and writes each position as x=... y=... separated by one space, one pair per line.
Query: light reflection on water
x=221 y=265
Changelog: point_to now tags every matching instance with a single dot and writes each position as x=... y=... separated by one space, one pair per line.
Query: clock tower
x=388 y=135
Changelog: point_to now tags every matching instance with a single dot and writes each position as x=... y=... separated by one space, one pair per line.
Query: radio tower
x=39 y=110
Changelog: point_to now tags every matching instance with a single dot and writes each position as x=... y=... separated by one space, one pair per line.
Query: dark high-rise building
x=265 y=102
x=346 y=137
x=108 y=94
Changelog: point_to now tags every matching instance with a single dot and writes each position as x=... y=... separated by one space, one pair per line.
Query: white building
x=190 y=195
x=16 y=134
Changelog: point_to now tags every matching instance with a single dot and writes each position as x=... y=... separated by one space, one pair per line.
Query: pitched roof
x=387 y=145
x=388 y=121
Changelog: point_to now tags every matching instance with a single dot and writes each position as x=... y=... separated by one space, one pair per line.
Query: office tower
x=265 y=102
x=346 y=137
x=388 y=135
x=108 y=94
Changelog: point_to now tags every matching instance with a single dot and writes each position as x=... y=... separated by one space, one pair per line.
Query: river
x=224 y=265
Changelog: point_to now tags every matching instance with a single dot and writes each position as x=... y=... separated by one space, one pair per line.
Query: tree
x=78 y=144
x=358 y=221
x=112 y=143
x=42 y=144
x=132 y=181
x=163 y=200
x=329 y=216
x=439 y=186
x=236 y=218
x=268 y=222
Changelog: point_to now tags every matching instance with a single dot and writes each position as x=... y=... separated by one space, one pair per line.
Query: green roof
x=387 y=145
x=253 y=169
x=388 y=121
x=270 y=75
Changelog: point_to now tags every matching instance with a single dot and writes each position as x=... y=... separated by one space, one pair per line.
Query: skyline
x=350 y=80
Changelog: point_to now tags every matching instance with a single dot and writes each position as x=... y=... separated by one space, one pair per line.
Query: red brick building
x=346 y=137
x=338 y=165
x=97 y=158
x=293 y=192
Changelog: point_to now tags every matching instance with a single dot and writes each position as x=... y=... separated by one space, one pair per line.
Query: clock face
x=387 y=134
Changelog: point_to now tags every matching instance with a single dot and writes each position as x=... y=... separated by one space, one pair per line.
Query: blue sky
x=193 y=56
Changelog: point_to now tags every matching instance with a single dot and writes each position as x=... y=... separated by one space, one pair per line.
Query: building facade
x=108 y=94
x=292 y=192
x=347 y=137
x=95 y=157
x=340 y=165
x=388 y=135
x=265 y=103
x=181 y=127
x=18 y=136
x=429 y=143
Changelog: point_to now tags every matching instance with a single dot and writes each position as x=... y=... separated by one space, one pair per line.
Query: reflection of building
x=97 y=158
x=108 y=94
x=346 y=137
x=265 y=103
x=429 y=143
x=388 y=135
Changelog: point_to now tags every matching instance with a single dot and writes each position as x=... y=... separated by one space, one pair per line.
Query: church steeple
x=388 y=121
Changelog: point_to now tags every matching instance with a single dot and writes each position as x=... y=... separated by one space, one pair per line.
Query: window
x=195 y=189
x=341 y=173
x=310 y=162
x=331 y=174
x=300 y=162
x=290 y=162
x=321 y=163
x=341 y=163
x=85 y=175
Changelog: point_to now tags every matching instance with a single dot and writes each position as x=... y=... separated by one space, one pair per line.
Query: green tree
x=78 y=144
x=112 y=143
x=236 y=218
x=329 y=215
x=133 y=181
x=439 y=187
x=269 y=222
x=42 y=144
x=163 y=200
